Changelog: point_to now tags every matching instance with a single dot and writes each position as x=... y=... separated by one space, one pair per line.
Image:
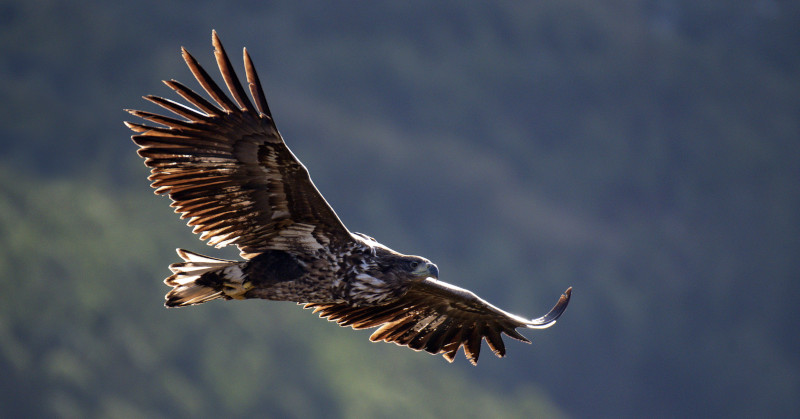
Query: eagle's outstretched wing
x=439 y=318
x=227 y=169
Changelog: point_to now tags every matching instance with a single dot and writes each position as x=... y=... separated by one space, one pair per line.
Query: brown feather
x=255 y=85
x=229 y=75
x=208 y=84
x=495 y=342
x=193 y=98
x=177 y=108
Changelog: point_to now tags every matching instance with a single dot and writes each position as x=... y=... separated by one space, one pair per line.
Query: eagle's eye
x=413 y=264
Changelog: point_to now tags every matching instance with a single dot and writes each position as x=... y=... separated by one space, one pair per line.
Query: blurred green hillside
x=646 y=153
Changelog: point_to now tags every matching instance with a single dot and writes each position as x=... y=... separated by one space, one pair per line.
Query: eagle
x=227 y=170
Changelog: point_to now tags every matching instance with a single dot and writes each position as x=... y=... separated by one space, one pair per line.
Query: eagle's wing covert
x=227 y=168
x=439 y=318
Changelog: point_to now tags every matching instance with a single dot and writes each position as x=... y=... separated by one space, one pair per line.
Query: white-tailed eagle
x=227 y=169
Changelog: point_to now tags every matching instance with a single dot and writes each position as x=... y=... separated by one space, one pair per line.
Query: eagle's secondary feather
x=228 y=171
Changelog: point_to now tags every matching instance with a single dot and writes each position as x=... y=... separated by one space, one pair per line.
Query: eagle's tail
x=202 y=278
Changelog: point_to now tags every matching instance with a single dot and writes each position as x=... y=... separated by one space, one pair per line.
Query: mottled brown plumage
x=227 y=169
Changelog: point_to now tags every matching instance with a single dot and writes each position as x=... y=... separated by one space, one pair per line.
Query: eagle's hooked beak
x=433 y=270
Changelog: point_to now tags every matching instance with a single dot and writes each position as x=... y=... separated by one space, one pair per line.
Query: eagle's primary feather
x=227 y=169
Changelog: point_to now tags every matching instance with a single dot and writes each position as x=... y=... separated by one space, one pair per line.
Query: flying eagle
x=228 y=170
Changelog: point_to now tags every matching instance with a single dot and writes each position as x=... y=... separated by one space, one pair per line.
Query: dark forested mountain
x=646 y=153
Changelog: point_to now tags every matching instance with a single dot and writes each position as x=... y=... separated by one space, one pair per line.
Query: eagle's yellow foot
x=237 y=291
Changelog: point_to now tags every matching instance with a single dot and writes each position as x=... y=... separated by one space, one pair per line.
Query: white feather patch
x=297 y=233
x=233 y=273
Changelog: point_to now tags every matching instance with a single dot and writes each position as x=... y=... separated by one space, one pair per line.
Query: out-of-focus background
x=646 y=153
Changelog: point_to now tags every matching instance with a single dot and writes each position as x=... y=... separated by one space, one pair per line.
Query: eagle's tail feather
x=202 y=278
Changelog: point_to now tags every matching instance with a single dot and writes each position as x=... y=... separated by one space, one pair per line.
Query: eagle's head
x=399 y=269
x=385 y=274
x=419 y=268
x=387 y=277
x=387 y=261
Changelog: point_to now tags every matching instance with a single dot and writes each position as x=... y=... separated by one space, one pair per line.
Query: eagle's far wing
x=227 y=169
x=439 y=318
